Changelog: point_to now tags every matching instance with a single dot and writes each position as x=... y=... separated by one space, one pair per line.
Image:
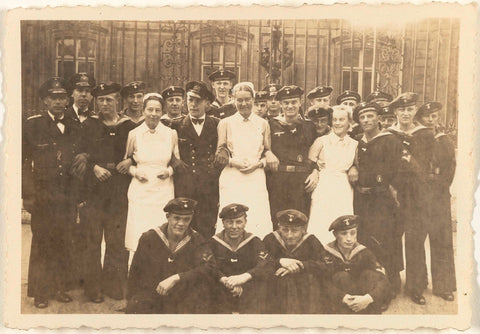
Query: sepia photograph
x=260 y=165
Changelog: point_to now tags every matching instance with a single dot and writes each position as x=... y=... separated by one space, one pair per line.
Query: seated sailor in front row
x=171 y=267
x=297 y=284
x=242 y=265
x=356 y=282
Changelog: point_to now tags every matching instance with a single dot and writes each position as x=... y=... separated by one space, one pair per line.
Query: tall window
x=73 y=56
x=358 y=62
x=214 y=56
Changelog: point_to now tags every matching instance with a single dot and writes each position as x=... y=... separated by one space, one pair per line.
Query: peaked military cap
x=132 y=88
x=319 y=91
x=81 y=80
x=348 y=95
x=106 y=88
x=404 y=100
x=378 y=95
x=173 y=91
x=261 y=96
x=387 y=111
x=288 y=92
x=233 y=211
x=343 y=223
x=428 y=108
x=181 y=206
x=200 y=90
x=314 y=112
x=272 y=89
x=222 y=74
x=365 y=107
x=54 y=85
x=291 y=217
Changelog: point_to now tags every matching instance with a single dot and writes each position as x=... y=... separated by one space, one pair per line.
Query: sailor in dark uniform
x=322 y=118
x=290 y=183
x=80 y=87
x=387 y=117
x=350 y=99
x=260 y=104
x=320 y=97
x=297 y=284
x=222 y=82
x=273 y=106
x=378 y=156
x=197 y=175
x=172 y=266
x=132 y=94
x=414 y=190
x=50 y=143
x=356 y=282
x=242 y=265
x=107 y=195
x=174 y=100
x=439 y=226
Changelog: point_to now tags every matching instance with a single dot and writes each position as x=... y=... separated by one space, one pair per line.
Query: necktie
x=197 y=121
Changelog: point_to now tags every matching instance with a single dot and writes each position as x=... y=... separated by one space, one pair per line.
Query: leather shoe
x=96 y=298
x=63 y=297
x=448 y=296
x=40 y=303
x=418 y=299
x=115 y=294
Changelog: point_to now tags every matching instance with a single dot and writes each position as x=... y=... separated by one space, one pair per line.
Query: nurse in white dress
x=150 y=145
x=333 y=196
x=246 y=136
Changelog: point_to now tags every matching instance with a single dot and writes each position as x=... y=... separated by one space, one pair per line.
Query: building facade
x=418 y=56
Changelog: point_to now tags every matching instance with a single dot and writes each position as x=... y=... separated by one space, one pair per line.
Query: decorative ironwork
x=174 y=53
x=272 y=60
x=389 y=63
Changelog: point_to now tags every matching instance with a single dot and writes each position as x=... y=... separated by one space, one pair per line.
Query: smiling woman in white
x=333 y=196
x=246 y=135
x=150 y=145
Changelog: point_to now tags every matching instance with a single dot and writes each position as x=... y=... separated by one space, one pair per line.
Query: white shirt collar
x=201 y=117
x=53 y=117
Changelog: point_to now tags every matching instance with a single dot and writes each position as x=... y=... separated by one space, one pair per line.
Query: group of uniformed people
x=92 y=173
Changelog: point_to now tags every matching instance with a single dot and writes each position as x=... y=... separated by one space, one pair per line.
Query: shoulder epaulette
x=35 y=116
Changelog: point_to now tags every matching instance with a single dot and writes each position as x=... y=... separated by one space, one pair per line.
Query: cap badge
x=287 y=92
x=102 y=86
x=234 y=208
x=83 y=78
x=290 y=217
x=185 y=204
x=272 y=89
x=196 y=87
x=135 y=86
x=56 y=84
x=347 y=222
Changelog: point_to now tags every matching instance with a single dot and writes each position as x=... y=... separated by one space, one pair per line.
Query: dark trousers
x=366 y=282
x=437 y=224
x=106 y=217
x=380 y=233
x=205 y=217
x=287 y=191
x=181 y=299
x=52 y=218
x=252 y=300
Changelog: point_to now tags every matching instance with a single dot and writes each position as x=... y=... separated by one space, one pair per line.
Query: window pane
x=368 y=57
x=350 y=58
x=367 y=83
x=355 y=81
x=82 y=67
x=67 y=69
x=85 y=47
x=65 y=48
x=346 y=80
x=230 y=53
x=207 y=53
